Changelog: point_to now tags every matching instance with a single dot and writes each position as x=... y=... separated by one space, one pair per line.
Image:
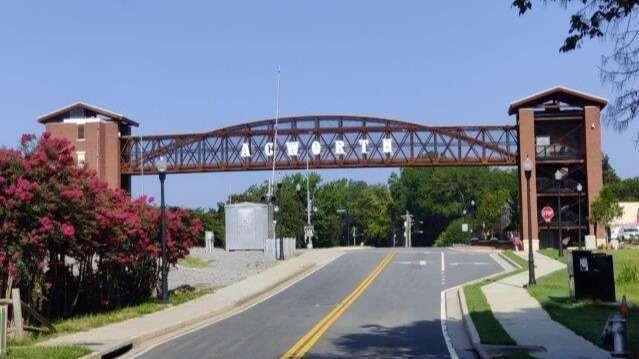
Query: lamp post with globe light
x=579 y=189
x=161 y=166
x=528 y=167
x=558 y=176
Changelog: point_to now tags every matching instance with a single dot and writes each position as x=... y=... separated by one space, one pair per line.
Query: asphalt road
x=397 y=316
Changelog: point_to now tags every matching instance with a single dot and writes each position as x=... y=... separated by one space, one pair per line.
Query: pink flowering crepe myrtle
x=51 y=209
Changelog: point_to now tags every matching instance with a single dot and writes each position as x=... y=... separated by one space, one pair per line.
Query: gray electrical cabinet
x=246 y=226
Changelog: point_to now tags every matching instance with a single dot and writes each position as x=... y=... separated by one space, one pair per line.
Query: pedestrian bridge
x=324 y=141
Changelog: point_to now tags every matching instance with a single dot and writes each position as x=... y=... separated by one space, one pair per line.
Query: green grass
x=626 y=268
x=517 y=259
x=89 y=321
x=33 y=352
x=195 y=262
x=554 y=254
x=587 y=318
x=488 y=327
x=25 y=348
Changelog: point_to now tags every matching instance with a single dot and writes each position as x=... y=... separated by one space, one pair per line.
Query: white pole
x=277 y=116
x=141 y=162
x=308 y=193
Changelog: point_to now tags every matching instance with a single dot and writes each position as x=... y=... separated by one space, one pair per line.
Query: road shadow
x=406 y=341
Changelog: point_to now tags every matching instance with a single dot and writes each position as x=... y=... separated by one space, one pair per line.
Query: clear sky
x=200 y=65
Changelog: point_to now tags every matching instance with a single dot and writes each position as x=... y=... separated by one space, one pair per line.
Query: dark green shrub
x=453 y=233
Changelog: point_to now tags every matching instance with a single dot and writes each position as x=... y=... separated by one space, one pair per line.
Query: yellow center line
x=306 y=342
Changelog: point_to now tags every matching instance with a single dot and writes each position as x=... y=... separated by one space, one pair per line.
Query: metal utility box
x=246 y=226
x=591 y=275
x=274 y=246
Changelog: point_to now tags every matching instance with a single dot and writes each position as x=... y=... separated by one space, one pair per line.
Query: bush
x=628 y=274
x=72 y=244
x=453 y=233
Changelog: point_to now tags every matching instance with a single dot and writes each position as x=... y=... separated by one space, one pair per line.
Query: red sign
x=547 y=213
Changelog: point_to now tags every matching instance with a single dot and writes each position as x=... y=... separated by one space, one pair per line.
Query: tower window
x=81 y=158
x=80 y=132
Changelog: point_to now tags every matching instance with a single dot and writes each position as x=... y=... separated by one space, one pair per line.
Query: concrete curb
x=137 y=341
x=94 y=355
x=470 y=326
x=471 y=330
x=512 y=262
x=121 y=347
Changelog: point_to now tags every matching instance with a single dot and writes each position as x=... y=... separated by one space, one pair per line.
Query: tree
x=71 y=243
x=611 y=19
x=605 y=209
x=212 y=220
x=436 y=196
x=609 y=173
x=490 y=208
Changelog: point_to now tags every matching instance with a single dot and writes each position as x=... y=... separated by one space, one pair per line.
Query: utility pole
x=308 y=229
x=408 y=229
x=354 y=236
x=271 y=190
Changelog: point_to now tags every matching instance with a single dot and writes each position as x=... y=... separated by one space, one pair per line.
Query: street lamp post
x=528 y=167
x=579 y=189
x=161 y=166
x=558 y=176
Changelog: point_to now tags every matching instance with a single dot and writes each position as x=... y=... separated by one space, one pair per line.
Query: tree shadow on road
x=407 y=341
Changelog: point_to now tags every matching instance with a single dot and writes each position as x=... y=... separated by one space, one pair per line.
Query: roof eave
x=587 y=98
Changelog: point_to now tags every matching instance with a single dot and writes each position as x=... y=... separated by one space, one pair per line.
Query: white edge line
x=231 y=313
x=444 y=323
x=443 y=263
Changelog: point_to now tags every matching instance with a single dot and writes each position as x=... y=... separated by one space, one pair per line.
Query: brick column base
x=535 y=244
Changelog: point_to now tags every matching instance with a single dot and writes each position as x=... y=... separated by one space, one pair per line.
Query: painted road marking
x=420 y=263
x=469 y=263
x=306 y=342
x=443 y=262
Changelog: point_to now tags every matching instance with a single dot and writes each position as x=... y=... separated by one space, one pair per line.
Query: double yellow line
x=306 y=342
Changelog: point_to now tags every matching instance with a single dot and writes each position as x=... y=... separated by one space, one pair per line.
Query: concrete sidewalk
x=133 y=332
x=527 y=323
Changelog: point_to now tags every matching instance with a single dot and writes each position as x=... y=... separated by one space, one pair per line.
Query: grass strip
x=33 y=352
x=195 y=262
x=587 y=318
x=488 y=327
x=90 y=321
x=95 y=320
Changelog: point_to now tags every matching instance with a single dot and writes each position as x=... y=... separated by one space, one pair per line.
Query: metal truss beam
x=343 y=142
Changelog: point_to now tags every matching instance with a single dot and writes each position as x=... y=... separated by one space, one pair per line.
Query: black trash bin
x=579 y=273
x=603 y=277
x=591 y=276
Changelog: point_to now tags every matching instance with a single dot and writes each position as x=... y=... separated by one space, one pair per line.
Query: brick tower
x=560 y=131
x=95 y=134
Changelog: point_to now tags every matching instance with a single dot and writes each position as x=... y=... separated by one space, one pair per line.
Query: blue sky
x=202 y=65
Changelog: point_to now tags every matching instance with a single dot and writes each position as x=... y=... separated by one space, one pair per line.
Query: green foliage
x=434 y=196
x=605 y=208
x=591 y=22
x=38 y=352
x=626 y=190
x=212 y=220
x=490 y=207
x=609 y=173
x=629 y=274
x=453 y=233
x=438 y=195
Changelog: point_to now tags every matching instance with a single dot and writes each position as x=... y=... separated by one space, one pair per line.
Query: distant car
x=630 y=234
x=615 y=232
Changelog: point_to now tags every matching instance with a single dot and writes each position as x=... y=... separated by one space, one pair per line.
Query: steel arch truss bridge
x=326 y=141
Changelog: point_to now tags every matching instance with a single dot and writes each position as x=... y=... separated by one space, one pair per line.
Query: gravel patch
x=224 y=268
